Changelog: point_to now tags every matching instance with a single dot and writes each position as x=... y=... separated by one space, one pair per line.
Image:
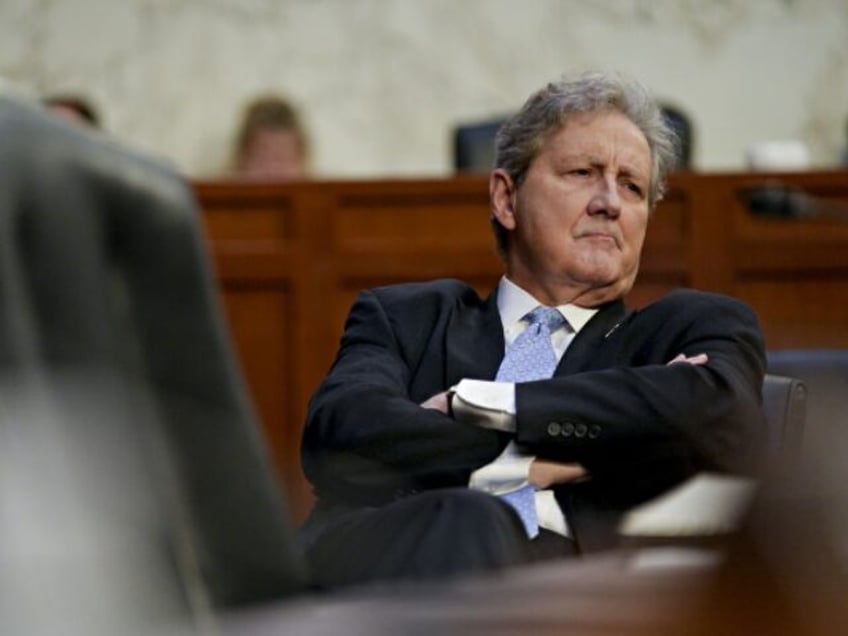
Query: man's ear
x=502 y=191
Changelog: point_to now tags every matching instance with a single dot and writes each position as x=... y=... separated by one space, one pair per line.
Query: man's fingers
x=700 y=358
x=544 y=474
x=438 y=402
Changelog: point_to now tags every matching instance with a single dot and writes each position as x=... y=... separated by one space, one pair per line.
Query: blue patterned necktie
x=531 y=357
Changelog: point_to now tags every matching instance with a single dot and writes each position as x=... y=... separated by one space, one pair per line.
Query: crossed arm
x=543 y=473
x=367 y=432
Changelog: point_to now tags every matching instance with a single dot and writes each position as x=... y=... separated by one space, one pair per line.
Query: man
x=420 y=460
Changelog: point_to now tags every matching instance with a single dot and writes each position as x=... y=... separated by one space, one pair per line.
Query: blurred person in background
x=271 y=143
x=73 y=107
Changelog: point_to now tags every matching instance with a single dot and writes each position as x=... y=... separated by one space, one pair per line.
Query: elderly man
x=455 y=433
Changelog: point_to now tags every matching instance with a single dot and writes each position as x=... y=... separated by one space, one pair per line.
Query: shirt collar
x=514 y=303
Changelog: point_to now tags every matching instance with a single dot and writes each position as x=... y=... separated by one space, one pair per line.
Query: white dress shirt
x=510 y=470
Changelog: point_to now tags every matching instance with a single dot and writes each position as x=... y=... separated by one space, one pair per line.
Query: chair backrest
x=825 y=373
x=474 y=146
x=785 y=409
x=104 y=274
x=682 y=126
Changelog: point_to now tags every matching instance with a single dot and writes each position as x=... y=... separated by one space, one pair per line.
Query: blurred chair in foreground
x=128 y=407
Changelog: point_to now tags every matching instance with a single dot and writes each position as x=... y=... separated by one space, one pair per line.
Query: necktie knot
x=532 y=356
x=548 y=316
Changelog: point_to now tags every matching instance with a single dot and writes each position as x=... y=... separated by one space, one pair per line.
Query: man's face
x=273 y=154
x=578 y=220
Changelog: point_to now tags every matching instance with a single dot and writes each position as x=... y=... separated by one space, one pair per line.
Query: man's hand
x=544 y=474
x=700 y=358
x=438 y=402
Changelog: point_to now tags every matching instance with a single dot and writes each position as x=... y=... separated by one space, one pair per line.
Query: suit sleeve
x=366 y=439
x=629 y=415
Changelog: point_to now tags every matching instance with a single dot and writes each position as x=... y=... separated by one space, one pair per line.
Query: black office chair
x=824 y=371
x=785 y=408
x=109 y=320
x=825 y=374
x=474 y=146
x=681 y=124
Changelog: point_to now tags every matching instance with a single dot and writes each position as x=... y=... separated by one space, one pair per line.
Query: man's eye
x=634 y=188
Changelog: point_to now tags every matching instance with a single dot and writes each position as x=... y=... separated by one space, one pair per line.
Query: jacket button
x=580 y=430
x=554 y=428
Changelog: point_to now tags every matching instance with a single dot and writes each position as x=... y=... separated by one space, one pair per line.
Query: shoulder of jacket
x=694 y=300
x=443 y=288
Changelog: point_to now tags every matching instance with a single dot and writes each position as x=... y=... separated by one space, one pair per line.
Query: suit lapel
x=475 y=342
x=586 y=350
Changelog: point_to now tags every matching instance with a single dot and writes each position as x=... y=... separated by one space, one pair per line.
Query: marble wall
x=382 y=82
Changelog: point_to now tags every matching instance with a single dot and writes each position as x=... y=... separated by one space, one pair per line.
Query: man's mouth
x=599 y=237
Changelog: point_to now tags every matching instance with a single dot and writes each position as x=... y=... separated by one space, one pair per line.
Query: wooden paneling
x=260 y=320
x=800 y=311
x=291 y=258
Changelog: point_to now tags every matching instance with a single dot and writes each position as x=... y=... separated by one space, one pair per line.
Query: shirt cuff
x=485 y=404
x=503 y=475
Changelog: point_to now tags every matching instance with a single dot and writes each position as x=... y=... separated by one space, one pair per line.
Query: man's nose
x=606 y=198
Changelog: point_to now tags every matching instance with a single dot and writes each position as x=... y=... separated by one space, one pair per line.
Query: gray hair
x=522 y=136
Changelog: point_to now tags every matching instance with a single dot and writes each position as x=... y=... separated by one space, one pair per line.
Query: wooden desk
x=291 y=258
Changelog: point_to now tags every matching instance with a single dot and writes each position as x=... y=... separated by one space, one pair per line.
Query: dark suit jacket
x=637 y=424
